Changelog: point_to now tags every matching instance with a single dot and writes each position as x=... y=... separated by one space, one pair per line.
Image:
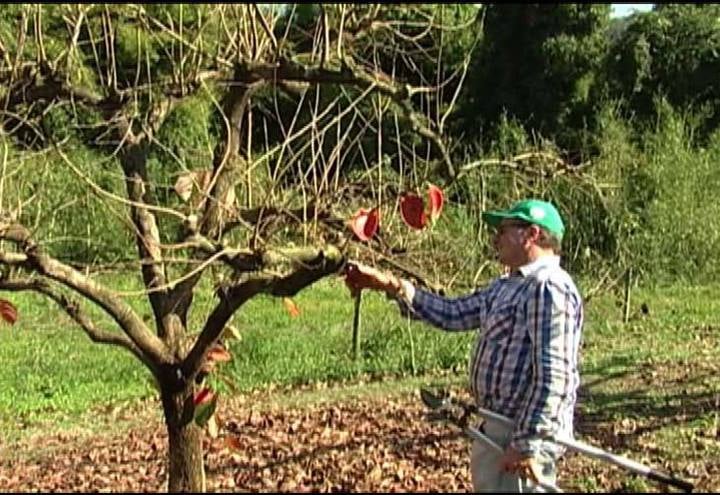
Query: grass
x=51 y=366
x=54 y=376
x=52 y=370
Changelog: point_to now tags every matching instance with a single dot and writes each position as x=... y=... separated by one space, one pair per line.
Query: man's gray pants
x=485 y=464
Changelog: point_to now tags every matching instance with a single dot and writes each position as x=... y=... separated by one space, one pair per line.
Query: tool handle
x=624 y=462
x=597 y=453
x=685 y=486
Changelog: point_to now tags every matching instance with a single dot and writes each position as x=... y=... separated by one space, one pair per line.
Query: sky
x=624 y=9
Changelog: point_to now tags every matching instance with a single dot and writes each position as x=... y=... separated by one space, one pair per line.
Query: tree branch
x=263 y=215
x=310 y=265
x=220 y=189
x=72 y=308
x=226 y=156
x=147 y=235
x=350 y=73
x=150 y=345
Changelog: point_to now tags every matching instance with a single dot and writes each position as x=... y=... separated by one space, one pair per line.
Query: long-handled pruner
x=444 y=409
x=443 y=406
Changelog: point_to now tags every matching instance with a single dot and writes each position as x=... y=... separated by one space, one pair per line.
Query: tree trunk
x=186 y=468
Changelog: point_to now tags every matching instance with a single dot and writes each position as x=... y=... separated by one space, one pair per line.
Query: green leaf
x=231 y=333
x=204 y=411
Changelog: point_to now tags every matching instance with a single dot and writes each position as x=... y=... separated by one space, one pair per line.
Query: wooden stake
x=356 y=326
x=628 y=282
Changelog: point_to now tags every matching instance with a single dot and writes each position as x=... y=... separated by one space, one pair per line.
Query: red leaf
x=202 y=396
x=8 y=311
x=291 y=307
x=437 y=200
x=218 y=354
x=365 y=223
x=412 y=211
x=233 y=443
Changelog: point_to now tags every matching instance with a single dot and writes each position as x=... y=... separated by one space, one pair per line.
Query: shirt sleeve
x=453 y=314
x=552 y=312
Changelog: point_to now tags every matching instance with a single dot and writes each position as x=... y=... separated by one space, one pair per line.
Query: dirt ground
x=370 y=445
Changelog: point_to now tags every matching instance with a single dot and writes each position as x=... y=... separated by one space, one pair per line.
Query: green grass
x=52 y=372
x=680 y=326
x=278 y=350
x=317 y=345
x=53 y=369
x=49 y=365
x=653 y=382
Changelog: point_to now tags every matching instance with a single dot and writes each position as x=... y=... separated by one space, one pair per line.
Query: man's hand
x=359 y=277
x=523 y=465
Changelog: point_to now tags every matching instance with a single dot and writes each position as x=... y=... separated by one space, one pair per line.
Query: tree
x=157 y=111
x=536 y=65
x=671 y=52
x=426 y=46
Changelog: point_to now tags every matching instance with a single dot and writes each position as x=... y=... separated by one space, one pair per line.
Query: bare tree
x=264 y=210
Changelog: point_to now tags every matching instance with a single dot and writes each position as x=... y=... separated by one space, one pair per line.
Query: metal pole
x=628 y=283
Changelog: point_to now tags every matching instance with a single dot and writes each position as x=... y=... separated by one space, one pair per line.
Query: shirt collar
x=551 y=260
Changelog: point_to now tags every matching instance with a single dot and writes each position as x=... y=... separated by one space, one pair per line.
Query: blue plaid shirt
x=525 y=361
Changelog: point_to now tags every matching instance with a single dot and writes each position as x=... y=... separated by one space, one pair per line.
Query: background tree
x=671 y=52
x=536 y=65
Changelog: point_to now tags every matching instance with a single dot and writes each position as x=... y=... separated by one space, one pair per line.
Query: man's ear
x=533 y=233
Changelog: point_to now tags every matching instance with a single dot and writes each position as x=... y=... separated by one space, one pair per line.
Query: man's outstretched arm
x=461 y=313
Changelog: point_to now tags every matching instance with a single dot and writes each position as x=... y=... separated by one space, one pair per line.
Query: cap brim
x=493 y=218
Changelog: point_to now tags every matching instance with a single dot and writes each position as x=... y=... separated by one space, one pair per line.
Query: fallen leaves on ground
x=353 y=446
x=373 y=445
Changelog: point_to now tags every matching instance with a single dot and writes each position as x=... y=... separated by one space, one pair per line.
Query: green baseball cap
x=533 y=211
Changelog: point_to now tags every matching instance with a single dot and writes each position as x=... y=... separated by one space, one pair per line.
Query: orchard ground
x=299 y=414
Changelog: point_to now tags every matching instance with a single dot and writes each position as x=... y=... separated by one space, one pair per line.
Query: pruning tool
x=445 y=408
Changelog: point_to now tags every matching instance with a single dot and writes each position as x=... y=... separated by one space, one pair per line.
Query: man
x=525 y=361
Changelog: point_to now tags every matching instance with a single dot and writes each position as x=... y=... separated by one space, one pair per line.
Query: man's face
x=512 y=241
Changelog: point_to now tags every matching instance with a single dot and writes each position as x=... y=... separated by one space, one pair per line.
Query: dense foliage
x=673 y=52
x=634 y=100
x=536 y=65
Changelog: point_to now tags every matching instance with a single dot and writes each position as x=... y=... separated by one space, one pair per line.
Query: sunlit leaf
x=231 y=333
x=218 y=354
x=291 y=307
x=372 y=223
x=184 y=185
x=437 y=199
x=365 y=223
x=212 y=426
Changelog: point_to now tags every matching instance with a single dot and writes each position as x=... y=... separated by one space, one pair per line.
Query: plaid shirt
x=525 y=361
